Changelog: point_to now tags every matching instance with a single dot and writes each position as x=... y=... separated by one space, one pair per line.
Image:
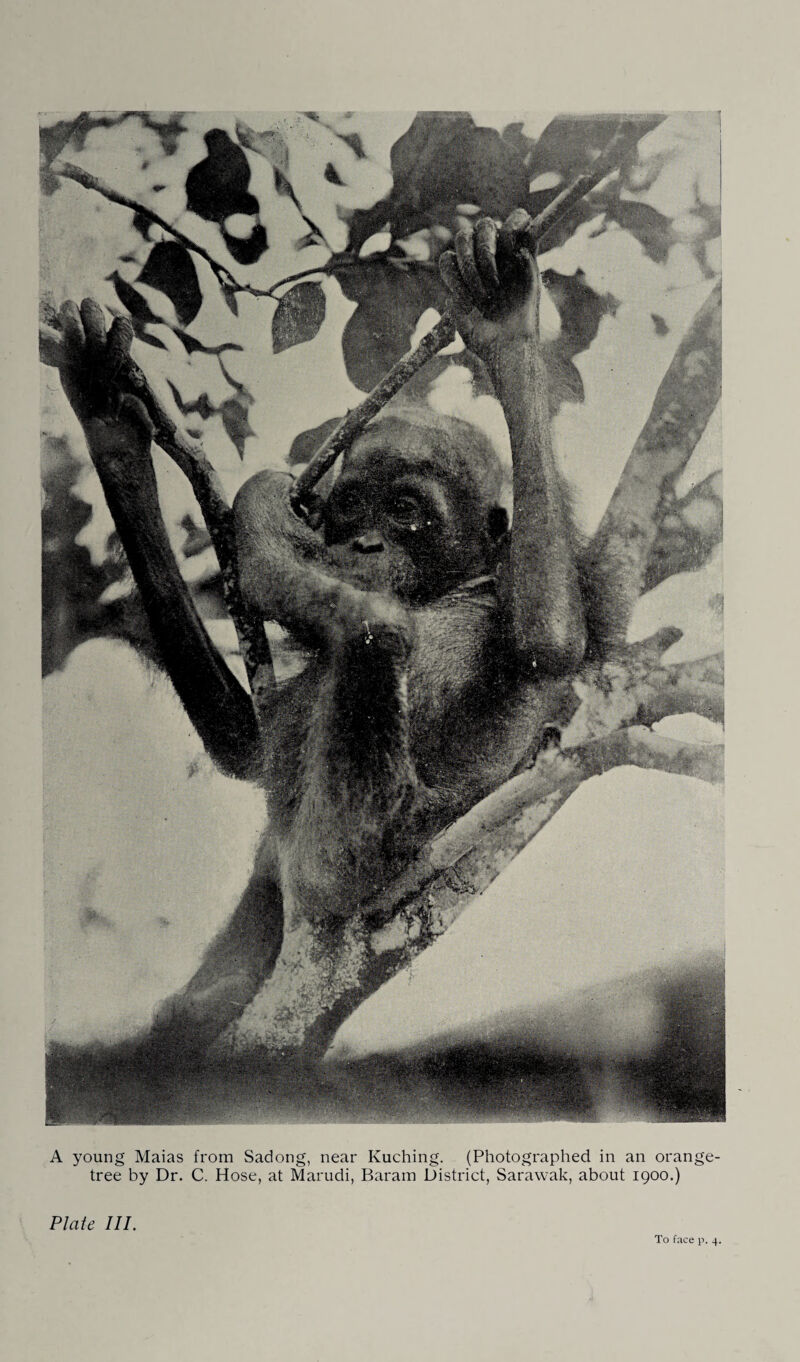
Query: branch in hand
x=192 y=461
x=444 y=331
x=340 y=440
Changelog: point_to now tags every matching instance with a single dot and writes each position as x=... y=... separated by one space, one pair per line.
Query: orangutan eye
x=406 y=510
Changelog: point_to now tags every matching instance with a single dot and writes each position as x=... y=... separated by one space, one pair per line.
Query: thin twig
x=345 y=260
x=356 y=420
x=443 y=332
x=67 y=171
x=341 y=261
x=623 y=141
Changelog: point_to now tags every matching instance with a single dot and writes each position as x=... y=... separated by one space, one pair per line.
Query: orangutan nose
x=370 y=542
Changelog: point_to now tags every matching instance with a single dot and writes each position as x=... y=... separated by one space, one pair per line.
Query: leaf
x=564 y=382
x=272 y=145
x=390 y=303
x=651 y=229
x=249 y=249
x=145 y=336
x=231 y=301
x=303 y=242
x=54 y=139
x=570 y=143
x=132 y=299
x=353 y=140
x=581 y=309
x=298 y=316
x=142 y=224
x=424 y=138
x=305 y=445
x=445 y=158
x=192 y=344
x=283 y=186
x=234 y=413
x=200 y=406
x=197 y=538
x=441 y=161
x=170 y=268
x=365 y=222
x=169 y=129
x=517 y=139
x=216 y=188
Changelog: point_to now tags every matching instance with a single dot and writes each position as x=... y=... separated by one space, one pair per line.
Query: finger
x=135 y=410
x=72 y=327
x=515 y=257
x=48 y=312
x=485 y=252
x=119 y=342
x=466 y=263
x=94 y=325
x=451 y=276
x=515 y=232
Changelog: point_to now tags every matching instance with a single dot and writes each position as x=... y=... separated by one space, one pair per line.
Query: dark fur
x=413 y=705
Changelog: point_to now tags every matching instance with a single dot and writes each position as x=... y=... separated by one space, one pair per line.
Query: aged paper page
x=305 y=1213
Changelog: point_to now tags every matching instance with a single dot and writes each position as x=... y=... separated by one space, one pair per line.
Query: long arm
x=358 y=781
x=546 y=604
x=280 y=560
x=496 y=290
x=118 y=436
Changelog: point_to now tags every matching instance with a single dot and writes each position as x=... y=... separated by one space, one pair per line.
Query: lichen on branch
x=323 y=975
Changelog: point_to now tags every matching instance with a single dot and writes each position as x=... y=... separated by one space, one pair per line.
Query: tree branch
x=688 y=532
x=67 y=171
x=226 y=279
x=192 y=461
x=622 y=142
x=688 y=394
x=340 y=439
x=325 y=973
x=443 y=332
x=558 y=772
x=637 y=688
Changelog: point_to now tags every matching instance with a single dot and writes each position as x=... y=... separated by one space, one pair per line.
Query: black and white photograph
x=382 y=617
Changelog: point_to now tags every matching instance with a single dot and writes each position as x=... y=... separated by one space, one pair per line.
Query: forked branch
x=320 y=979
x=688 y=394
